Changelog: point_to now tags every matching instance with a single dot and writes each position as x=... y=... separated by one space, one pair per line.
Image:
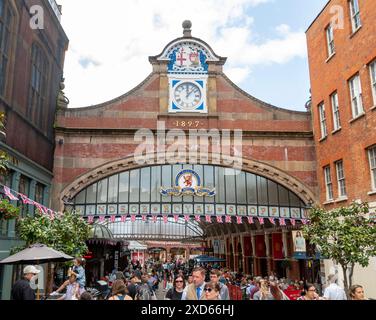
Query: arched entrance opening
x=132 y=205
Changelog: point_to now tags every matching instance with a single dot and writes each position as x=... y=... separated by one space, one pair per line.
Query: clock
x=187 y=96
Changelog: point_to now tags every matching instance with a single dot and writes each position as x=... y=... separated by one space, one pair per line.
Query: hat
x=30 y=269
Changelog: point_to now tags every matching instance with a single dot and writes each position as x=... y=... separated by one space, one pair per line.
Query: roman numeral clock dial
x=188 y=96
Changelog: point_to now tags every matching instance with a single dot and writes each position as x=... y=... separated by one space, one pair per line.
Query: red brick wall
x=353 y=54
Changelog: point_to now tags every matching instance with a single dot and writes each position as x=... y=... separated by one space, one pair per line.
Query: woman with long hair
x=120 y=291
x=357 y=293
x=176 y=292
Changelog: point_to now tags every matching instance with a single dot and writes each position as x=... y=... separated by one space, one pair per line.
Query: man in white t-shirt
x=334 y=291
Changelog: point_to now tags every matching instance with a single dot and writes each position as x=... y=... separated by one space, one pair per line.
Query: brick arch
x=256 y=167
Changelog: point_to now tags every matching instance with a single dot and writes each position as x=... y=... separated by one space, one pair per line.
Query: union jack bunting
x=282 y=221
x=101 y=219
x=25 y=199
x=239 y=220
x=113 y=218
x=133 y=218
x=293 y=222
x=176 y=218
x=208 y=219
x=9 y=194
x=228 y=219
x=90 y=219
x=198 y=218
x=165 y=219
x=187 y=218
x=219 y=219
x=272 y=220
x=144 y=218
x=261 y=220
x=154 y=218
x=250 y=220
x=123 y=218
x=305 y=221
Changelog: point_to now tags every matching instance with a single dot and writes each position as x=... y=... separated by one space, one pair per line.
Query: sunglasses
x=179 y=281
x=208 y=290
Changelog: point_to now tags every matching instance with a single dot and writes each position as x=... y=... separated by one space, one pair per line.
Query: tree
x=67 y=232
x=346 y=235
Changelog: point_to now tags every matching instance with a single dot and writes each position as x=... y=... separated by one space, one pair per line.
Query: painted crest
x=188 y=183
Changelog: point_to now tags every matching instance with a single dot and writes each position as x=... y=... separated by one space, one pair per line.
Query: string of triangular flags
x=208 y=219
x=16 y=196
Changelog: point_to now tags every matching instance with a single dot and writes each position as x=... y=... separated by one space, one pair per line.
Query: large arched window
x=138 y=192
x=6 y=22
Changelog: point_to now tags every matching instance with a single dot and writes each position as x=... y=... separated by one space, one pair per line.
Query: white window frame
x=355 y=87
x=330 y=40
x=323 y=126
x=356 y=22
x=372 y=164
x=328 y=184
x=336 y=113
x=372 y=70
x=342 y=192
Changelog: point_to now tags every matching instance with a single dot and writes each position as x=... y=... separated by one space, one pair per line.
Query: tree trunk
x=345 y=280
x=351 y=275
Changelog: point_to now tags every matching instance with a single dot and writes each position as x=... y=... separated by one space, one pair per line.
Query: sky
x=264 y=41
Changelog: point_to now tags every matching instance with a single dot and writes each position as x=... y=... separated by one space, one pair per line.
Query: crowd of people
x=178 y=281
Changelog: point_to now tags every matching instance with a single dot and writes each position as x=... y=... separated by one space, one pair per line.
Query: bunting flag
x=52 y=216
x=187 y=218
x=305 y=221
x=272 y=220
x=250 y=220
x=219 y=219
x=101 y=219
x=282 y=222
x=239 y=220
x=113 y=218
x=123 y=218
x=9 y=194
x=144 y=218
x=133 y=218
x=293 y=222
x=176 y=217
x=208 y=219
x=25 y=199
x=165 y=219
x=228 y=219
x=154 y=218
x=261 y=220
x=90 y=219
x=198 y=218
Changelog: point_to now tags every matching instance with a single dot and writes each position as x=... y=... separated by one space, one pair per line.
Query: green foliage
x=345 y=235
x=66 y=233
x=8 y=211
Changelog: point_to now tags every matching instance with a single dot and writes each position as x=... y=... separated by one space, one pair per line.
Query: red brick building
x=342 y=58
x=32 y=58
x=95 y=167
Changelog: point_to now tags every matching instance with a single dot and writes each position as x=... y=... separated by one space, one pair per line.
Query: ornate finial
x=62 y=100
x=187 y=25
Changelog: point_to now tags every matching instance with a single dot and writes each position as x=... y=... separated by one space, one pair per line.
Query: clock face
x=188 y=95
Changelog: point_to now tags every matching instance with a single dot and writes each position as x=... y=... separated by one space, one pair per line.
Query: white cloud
x=110 y=41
